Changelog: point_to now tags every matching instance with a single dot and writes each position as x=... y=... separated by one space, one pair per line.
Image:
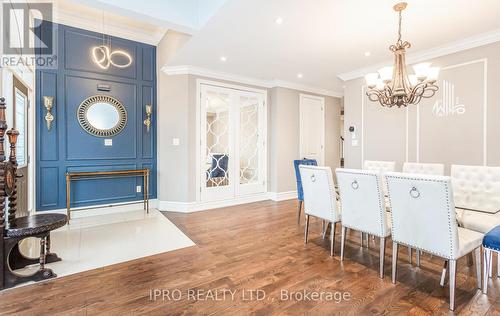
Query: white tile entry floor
x=97 y=241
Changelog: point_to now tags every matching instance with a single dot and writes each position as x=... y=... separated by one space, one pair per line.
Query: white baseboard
x=123 y=207
x=282 y=196
x=188 y=207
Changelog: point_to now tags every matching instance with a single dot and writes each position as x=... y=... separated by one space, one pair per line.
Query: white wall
x=420 y=133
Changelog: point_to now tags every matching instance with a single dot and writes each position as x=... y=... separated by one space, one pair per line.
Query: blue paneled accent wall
x=67 y=147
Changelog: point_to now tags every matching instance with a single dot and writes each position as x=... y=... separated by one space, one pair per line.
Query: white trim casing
x=363 y=89
x=204 y=72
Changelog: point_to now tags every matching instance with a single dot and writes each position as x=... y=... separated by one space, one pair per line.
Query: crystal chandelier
x=392 y=86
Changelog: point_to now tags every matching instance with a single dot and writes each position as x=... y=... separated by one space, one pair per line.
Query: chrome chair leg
x=417 y=259
x=477 y=253
x=453 y=269
x=299 y=212
x=486 y=269
x=307 y=229
x=443 y=273
x=382 y=256
x=361 y=240
x=367 y=239
x=394 y=261
x=490 y=269
x=342 y=243
x=498 y=266
x=332 y=236
x=409 y=255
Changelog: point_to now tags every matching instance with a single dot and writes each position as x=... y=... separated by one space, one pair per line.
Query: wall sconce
x=48 y=102
x=149 y=112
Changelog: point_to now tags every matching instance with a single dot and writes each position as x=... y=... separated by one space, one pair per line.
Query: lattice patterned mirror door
x=231 y=143
x=251 y=144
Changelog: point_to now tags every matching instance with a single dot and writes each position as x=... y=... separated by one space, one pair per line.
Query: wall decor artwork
x=449 y=104
x=102 y=116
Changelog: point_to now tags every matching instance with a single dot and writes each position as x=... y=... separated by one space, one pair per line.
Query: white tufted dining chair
x=477 y=198
x=319 y=197
x=423 y=217
x=424 y=168
x=382 y=167
x=363 y=207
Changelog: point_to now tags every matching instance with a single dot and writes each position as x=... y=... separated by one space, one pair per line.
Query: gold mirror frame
x=81 y=114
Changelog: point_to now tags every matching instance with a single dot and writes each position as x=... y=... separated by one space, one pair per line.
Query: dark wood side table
x=38 y=226
x=106 y=174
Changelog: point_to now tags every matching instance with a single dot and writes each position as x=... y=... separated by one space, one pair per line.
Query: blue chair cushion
x=296 y=164
x=492 y=239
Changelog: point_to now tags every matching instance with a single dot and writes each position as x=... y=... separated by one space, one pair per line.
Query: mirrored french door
x=233 y=142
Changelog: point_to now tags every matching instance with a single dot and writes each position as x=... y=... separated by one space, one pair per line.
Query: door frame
x=26 y=76
x=303 y=96
x=199 y=83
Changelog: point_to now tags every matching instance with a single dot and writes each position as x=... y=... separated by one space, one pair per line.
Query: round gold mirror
x=102 y=116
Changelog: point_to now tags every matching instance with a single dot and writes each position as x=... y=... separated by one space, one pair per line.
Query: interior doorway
x=233 y=152
x=312 y=128
x=20 y=123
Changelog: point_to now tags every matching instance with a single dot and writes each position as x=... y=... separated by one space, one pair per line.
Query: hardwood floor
x=257 y=247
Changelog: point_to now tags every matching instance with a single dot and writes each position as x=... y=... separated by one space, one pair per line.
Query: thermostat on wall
x=108 y=142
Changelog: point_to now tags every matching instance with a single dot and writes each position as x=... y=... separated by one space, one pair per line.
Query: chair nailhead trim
x=380 y=203
x=449 y=216
x=492 y=248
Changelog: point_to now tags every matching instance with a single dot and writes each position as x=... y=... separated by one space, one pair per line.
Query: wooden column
x=13 y=134
x=3 y=128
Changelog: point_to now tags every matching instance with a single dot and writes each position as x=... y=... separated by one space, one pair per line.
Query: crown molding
x=424 y=55
x=204 y=72
x=72 y=19
x=306 y=88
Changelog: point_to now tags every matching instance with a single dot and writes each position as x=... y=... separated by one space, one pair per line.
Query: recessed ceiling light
x=367 y=54
x=223 y=58
x=278 y=20
x=299 y=75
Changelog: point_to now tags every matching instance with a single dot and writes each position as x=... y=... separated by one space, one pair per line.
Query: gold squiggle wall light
x=103 y=57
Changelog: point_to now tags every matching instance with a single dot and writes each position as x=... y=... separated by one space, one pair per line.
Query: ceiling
x=323 y=39
x=186 y=16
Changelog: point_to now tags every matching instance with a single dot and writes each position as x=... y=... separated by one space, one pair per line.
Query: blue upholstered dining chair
x=217 y=173
x=300 y=191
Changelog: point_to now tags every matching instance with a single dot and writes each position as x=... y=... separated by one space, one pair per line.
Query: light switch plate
x=138 y=189
x=354 y=143
x=108 y=142
x=175 y=141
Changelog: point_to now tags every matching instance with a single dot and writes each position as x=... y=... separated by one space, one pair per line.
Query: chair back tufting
x=476 y=187
x=381 y=166
x=436 y=169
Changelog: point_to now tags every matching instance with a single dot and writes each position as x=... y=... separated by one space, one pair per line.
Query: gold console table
x=106 y=174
